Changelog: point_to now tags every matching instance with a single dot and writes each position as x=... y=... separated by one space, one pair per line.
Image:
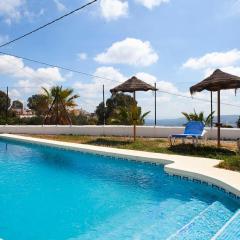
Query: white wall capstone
x=113 y=130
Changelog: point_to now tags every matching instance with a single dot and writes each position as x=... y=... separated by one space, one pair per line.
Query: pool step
x=205 y=225
x=231 y=230
x=148 y=224
x=163 y=227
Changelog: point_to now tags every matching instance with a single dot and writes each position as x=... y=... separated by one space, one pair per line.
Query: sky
x=175 y=43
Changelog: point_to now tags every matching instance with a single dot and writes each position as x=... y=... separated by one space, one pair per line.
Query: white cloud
x=146 y=77
x=113 y=9
x=29 y=78
x=230 y=69
x=3 y=38
x=31 y=16
x=68 y=75
x=232 y=8
x=108 y=76
x=109 y=73
x=166 y=103
x=161 y=85
x=11 y=9
x=91 y=92
x=168 y=87
x=82 y=56
x=14 y=94
x=214 y=59
x=60 y=6
x=168 y=106
x=150 y=4
x=227 y=62
x=130 y=51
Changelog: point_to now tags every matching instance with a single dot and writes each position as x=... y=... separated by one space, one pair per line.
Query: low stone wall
x=143 y=131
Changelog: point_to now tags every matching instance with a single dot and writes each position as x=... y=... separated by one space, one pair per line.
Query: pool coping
x=202 y=170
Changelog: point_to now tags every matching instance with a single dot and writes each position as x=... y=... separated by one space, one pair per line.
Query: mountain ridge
x=225 y=119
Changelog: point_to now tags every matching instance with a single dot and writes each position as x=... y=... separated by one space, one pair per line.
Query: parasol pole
x=134 y=121
x=211 y=109
x=155 y=104
x=219 y=120
x=104 y=115
x=57 y=98
x=7 y=107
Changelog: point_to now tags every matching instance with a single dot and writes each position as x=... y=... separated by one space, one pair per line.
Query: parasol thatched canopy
x=219 y=80
x=216 y=82
x=133 y=84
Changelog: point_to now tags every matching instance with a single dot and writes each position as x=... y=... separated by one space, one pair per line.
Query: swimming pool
x=55 y=194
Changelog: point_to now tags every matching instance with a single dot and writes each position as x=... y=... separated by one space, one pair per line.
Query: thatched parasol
x=218 y=81
x=132 y=85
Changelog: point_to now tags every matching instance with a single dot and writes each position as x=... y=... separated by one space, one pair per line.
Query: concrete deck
x=193 y=167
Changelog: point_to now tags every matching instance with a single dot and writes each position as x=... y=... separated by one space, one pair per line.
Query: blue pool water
x=54 y=194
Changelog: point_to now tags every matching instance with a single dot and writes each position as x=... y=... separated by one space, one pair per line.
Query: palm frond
x=186 y=116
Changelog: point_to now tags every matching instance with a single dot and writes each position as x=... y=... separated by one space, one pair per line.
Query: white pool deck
x=203 y=169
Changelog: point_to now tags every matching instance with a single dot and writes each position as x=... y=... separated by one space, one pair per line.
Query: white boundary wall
x=92 y=130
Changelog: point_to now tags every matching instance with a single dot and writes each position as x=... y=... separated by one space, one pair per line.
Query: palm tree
x=61 y=101
x=199 y=117
x=125 y=116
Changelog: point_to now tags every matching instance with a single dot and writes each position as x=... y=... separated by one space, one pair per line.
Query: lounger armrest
x=204 y=133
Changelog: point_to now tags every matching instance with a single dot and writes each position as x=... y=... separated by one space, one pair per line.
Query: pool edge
x=193 y=168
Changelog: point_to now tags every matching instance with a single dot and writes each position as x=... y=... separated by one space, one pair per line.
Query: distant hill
x=225 y=119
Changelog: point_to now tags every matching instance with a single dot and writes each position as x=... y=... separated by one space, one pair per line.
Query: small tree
x=5 y=103
x=199 y=117
x=125 y=116
x=16 y=104
x=113 y=103
x=39 y=104
x=100 y=113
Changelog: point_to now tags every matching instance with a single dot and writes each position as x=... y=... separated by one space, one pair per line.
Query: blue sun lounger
x=194 y=130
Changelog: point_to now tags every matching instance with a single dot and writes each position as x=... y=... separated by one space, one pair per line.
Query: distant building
x=26 y=113
x=17 y=111
x=78 y=112
x=20 y=111
x=23 y=113
x=83 y=117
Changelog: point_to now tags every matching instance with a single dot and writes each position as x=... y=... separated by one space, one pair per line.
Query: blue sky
x=175 y=43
